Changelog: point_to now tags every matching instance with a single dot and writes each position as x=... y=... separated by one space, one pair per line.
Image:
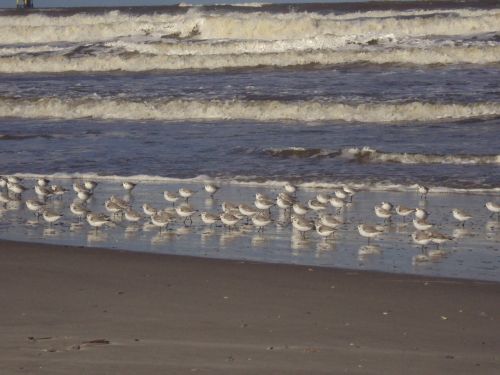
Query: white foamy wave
x=11 y=51
x=254 y=181
x=39 y=28
x=370 y=155
x=265 y=110
x=142 y=62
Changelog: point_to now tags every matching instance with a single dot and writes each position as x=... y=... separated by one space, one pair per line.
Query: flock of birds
x=303 y=216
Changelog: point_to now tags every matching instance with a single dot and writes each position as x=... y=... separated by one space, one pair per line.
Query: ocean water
x=381 y=96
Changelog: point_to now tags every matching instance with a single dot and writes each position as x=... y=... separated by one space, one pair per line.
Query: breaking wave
x=370 y=155
x=264 y=110
x=40 y=28
x=145 y=62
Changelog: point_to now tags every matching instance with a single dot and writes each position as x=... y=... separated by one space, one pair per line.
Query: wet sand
x=68 y=310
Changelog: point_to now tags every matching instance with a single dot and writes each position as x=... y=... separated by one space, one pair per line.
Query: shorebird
x=97 y=220
x=247 y=210
x=90 y=185
x=128 y=185
x=58 y=190
x=323 y=198
x=329 y=221
x=302 y=225
x=284 y=201
x=43 y=192
x=162 y=219
x=421 y=238
x=120 y=202
x=78 y=187
x=439 y=238
x=299 y=209
x=341 y=193
x=350 y=191
x=170 y=197
x=186 y=193
x=316 y=205
x=3 y=182
x=84 y=195
x=228 y=206
x=35 y=206
x=42 y=182
x=383 y=213
x=132 y=216
x=263 y=203
x=78 y=209
x=4 y=198
x=421 y=214
x=261 y=220
x=211 y=189
x=229 y=219
x=289 y=188
x=14 y=179
x=423 y=191
x=369 y=231
x=185 y=211
x=404 y=211
x=337 y=203
x=209 y=218
x=15 y=188
x=494 y=208
x=324 y=231
x=461 y=216
x=50 y=216
x=149 y=210
x=112 y=207
x=388 y=206
x=421 y=224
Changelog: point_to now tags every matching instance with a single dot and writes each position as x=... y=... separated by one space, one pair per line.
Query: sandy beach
x=68 y=310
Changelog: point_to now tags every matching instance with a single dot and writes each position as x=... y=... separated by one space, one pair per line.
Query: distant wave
x=264 y=182
x=264 y=110
x=39 y=28
x=144 y=62
x=370 y=155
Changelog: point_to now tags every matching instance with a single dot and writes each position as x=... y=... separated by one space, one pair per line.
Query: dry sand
x=71 y=311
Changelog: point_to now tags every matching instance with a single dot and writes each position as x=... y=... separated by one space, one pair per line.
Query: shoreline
x=72 y=310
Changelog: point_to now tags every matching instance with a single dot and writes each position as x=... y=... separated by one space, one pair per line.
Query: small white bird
x=14 y=179
x=229 y=219
x=299 y=209
x=4 y=198
x=128 y=185
x=186 y=193
x=439 y=238
x=421 y=214
x=383 y=213
x=228 y=206
x=261 y=220
x=290 y=188
x=315 y=205
x=369 y=231
x=58 y=190
x=209 y=218
x=461 y=215
x=323 y=198
x=494 y=208
x=330 y=221
x=50 y=216
x=149 y=210
x=404 y=211
x=337 y=203
x=162 y=219
x=97 y=220
x=211 y=189
x=263 y=203
x=78 y=209
x=185 y=211
x=170 y=197
x=132 y=216
x=90 y=185
x=421 y=224
x=388 y=206
x=42 y=182
x=43 y=191
x=421 y=238
x=302 y=225
x=247 y=210
x=35 y=206
x=324 y=231
x=341 y=193
x=15 y=187
x=423 y=191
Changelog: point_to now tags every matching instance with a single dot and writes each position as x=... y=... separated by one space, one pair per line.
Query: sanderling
x=4 y=198
x=330 y=221
x=3 y=182
x=260 y=196
x=90 y=185
x=323 y=198
x=302 y=225
x=421 y=238
x=337 y=203
x=350 y=191
x=97 y=220
x=369 y=231
x=132 y=216
x=299 y=209
x=185 y=211
x=78 y=187
x=43 y=192
x=148 y=209
x=58 y=190
x=112 y=207
x=128 y=185
x=247 y=210
x=494 y=208
x=170 y=197
x=387 y=206
x=383 y=213
x=404 y=211
x=228 y=206
x=439 y=238
x=14 y=179
x=461 y=215
x=209 y=218
x=50 y=216
x=229 y=219
x=35 y=206
x=324 y=231
x=78 y=209
x=421 y=214
x=42 y=182
x=263 y=203
x=315 y=205
x=289 y=188
x=211 y=189
x=423 y=191
x=84 y=195
x=162 y=219
x=421 y=224
x=261 y=220
x=284 y=202
x=341 y=193
x=120 y=202
x=15 y=187
x=186 y=193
